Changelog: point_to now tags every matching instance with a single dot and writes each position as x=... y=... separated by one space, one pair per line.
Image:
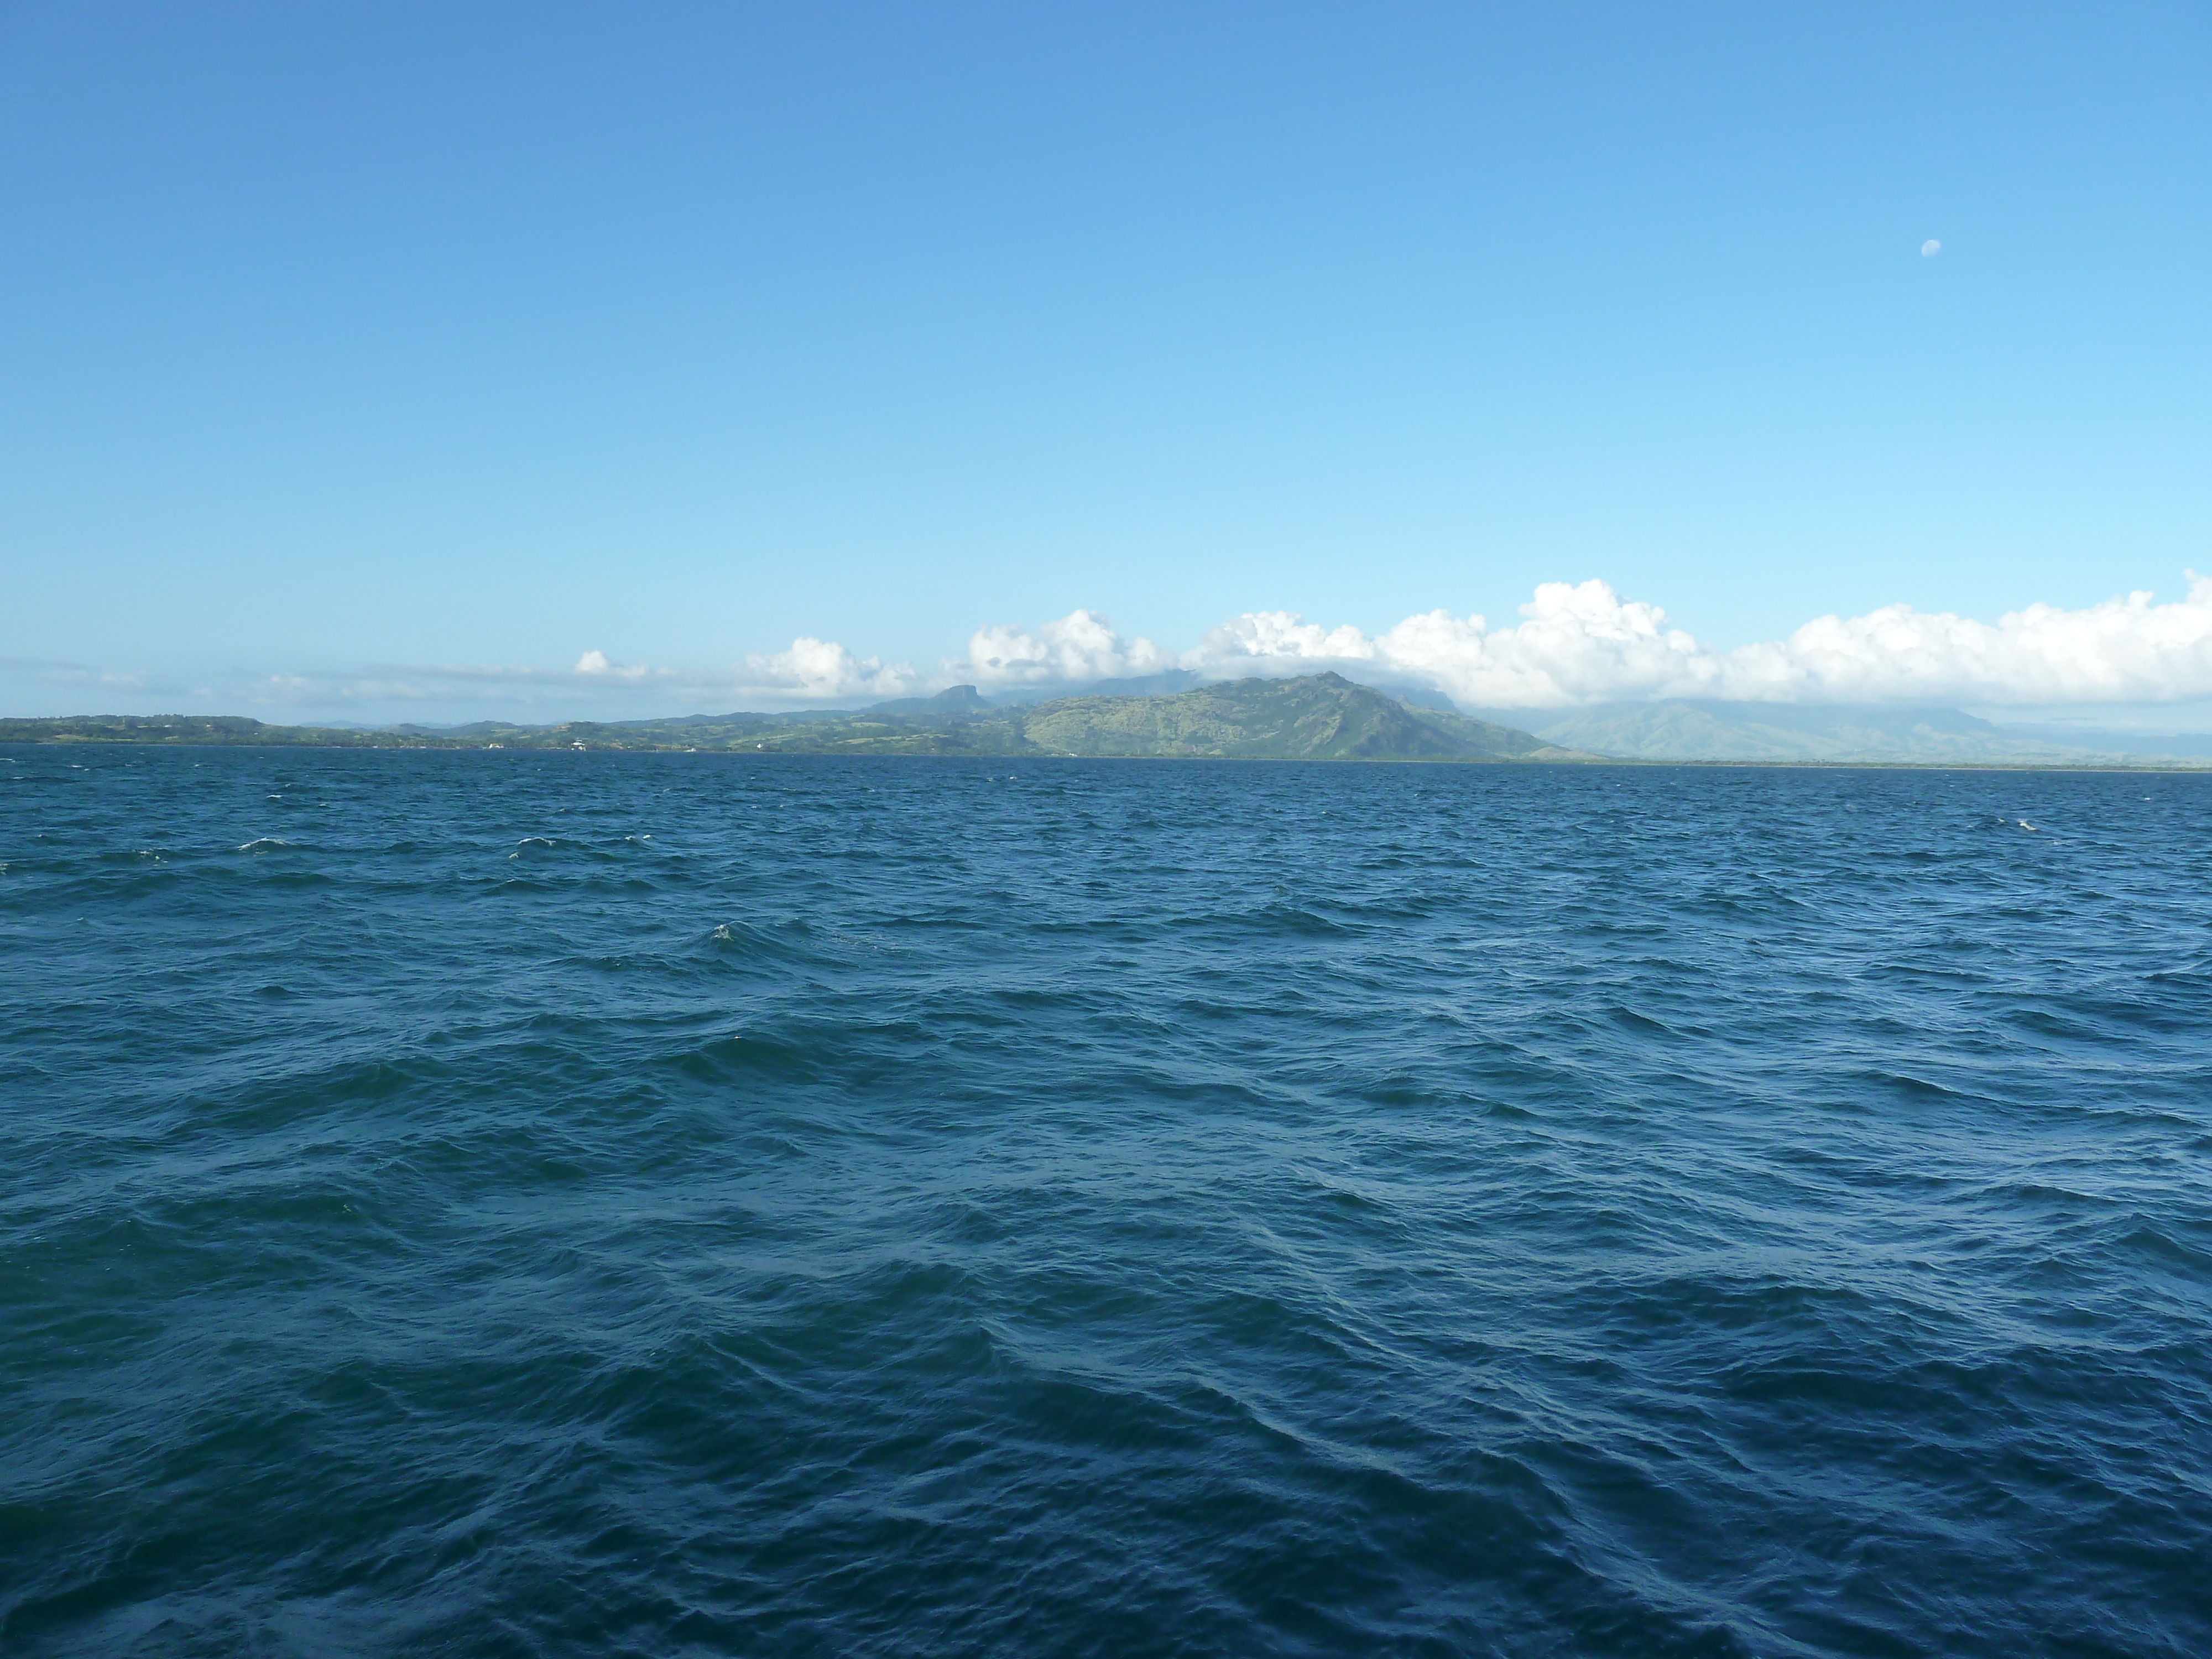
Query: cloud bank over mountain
x=1081 y=646
x=1581 y=643
x=1575 y=645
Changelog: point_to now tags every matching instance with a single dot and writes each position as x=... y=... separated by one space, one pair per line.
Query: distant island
x=1315 y=717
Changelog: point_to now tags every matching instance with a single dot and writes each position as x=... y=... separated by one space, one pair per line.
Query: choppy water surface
x=594 y=1205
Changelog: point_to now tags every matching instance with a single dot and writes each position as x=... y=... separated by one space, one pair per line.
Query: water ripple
x=658 y=1204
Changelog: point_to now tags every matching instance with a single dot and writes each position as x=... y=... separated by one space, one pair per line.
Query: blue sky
x=340 y=340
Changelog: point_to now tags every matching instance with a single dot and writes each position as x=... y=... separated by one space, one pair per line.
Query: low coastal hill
x=1315 y=717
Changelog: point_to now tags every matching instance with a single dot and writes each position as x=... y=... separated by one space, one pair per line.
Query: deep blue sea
x=507 y=1204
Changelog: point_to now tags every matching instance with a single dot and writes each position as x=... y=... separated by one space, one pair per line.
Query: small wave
x=135 y=856
x=266 y=844
x=739 y=1055
x=790 y=941
x=1288 y=920
x=2188 y=974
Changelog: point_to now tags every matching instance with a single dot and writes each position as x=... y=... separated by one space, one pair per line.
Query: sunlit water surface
x=498 y=1204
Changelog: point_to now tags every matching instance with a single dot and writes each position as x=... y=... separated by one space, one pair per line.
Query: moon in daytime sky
x=1930 y=248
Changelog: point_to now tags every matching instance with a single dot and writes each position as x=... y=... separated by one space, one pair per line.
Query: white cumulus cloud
x=1581 y=643
x=1081 y=645
x=597 y=663
x=1578 y=643
x=811 y=670
x=2126 y=649
x=824 y=669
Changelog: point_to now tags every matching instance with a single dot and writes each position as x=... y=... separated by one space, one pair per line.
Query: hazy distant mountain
x=1789 y=732
x=1317 y=717
x=2113 y=740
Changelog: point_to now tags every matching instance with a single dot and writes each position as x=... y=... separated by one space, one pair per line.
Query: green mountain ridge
x=1315 y=717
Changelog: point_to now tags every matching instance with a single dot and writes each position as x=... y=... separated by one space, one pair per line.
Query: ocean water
x=500 y=1204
